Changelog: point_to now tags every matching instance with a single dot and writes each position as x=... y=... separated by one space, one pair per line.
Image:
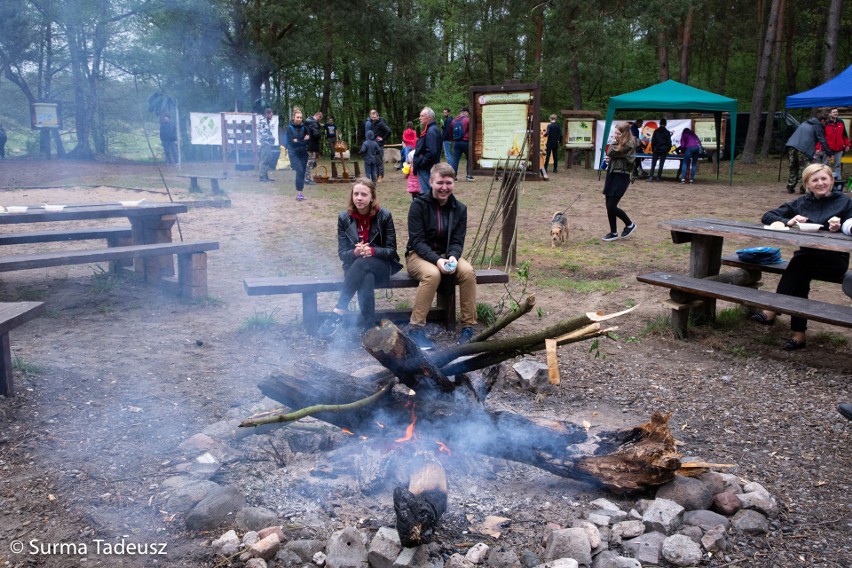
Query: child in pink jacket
x=413 y=185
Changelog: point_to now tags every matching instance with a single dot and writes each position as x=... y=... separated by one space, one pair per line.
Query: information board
x=578 y=133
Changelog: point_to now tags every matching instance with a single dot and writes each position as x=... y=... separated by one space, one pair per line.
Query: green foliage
x=485 y=313
x=580 y=286
x=831 y=339
x=260 y=321
x=729 y=318
x=26 y=367
x=104 y=282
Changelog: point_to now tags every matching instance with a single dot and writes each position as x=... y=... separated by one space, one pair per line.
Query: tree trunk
x=773 y=86
x=725 y=49
x=326 y=70
x=832 y=32
x=663 y=55
x=748 y=156
x=686 y=45
x=576 y=84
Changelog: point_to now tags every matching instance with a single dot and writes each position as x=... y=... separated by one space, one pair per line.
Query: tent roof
x=836 y=92
x=671 y=95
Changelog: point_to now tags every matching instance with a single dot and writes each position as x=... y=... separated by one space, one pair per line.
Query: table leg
x=151 y=229
x=705 y=259
x=7 y=386
x=310 y=316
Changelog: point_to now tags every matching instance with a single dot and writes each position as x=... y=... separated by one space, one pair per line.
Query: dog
x=558 y=229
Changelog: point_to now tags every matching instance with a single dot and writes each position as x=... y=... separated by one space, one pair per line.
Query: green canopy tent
x=674 y=96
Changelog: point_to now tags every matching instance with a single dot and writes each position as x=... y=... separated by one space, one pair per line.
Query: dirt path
x=115 y=376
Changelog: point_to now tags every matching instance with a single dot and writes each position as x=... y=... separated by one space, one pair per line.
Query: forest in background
x=99 y=58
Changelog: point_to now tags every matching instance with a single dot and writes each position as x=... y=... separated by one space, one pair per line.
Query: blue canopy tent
x=673 y=96
x=836 y=92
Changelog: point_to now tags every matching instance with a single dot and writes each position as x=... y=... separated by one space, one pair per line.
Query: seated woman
x=819 y=205
x=366 y=243
x=691 y=146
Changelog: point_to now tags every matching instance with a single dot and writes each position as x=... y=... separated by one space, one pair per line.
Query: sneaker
x=628 y=230
x=610 y=237
x=683 y=180
x=380 y=179
x=845 y=409
x=418 y=336
x=469 y=178
x=691 y=181
x=299 y=196
x=310 y=182
x=465 y=335
x=330 y=325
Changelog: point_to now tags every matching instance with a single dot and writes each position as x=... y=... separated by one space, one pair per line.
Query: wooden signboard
x=579 y=133
x=45 y=115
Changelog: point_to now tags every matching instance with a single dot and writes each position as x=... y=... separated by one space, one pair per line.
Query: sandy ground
x=115 y=375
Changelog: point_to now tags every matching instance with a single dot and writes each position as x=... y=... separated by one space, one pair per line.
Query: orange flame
x=409 y=431
x=442 y=447
x=348 y=432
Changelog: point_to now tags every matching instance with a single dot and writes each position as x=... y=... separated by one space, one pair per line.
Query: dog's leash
x=570 y=206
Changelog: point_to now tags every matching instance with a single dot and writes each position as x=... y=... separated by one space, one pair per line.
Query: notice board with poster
x=504 y=123
x=579 y=133
x=45 y=115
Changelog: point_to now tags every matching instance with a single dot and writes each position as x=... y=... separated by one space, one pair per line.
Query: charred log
x=420 y=507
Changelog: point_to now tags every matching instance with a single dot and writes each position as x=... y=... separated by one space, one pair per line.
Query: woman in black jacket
x=366 y=244
x=297 y=146
x=819 y=205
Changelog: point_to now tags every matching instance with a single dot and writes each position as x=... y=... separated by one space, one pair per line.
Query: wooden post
x=705 y=260
x=192 y=275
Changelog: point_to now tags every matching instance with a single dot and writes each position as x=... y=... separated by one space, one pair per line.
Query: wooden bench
x=834 y=314
x=309 y=287
x=195 y=188
x=13 y=314
x=118 y=236
x=192 y=262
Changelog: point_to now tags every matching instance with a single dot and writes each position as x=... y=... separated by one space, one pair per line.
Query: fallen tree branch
x=523 y=308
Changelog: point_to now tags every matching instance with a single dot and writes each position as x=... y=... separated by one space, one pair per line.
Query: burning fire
x=442 y=447
x=347 y=431
x=409 y=431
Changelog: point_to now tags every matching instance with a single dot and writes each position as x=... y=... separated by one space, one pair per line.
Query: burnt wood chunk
x=396 y=351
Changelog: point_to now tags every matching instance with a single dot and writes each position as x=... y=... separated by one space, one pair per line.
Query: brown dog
x=558 y=229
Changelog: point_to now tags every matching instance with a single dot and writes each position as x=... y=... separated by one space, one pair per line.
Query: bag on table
x=760 y=255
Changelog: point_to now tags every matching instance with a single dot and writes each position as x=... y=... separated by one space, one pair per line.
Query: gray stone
x=224 y=430
x=706 y=520
x=319 y=559
x=692 y=532
x=663 y=516
x=715 y=540
x=726 y=503
x=250 y=538
x=560 y=563
x=610 y=559
x=477 y=553
x=229 y=537
x=287 y=558
x=605 y=504
x=626 y=530
x=533 y=375
x=713 y=481
x=424 y=556
x=750 y=522
x=384 y=548
x=732 y=482
x=642 y=505
x=255 y=518
x=454 y=561
x=592 y=531
x=599 y=520
x=529 y=558
x=346 y=549
x=189 y=494
x=256 y=563
x=646 y=548
x=760 y=501
x=266 y=548
x=569 y=543
x=305 y=548
x=634 y=515
x=754 y=487
x=614 y=516
x=681 y=550
x=218 y=506
x=691 y=494
x=502 y=557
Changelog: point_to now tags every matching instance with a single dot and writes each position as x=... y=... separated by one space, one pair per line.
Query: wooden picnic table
x=706 y=237
x=150 y=223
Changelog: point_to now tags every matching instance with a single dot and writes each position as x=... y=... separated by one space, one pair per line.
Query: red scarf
x=363 y=223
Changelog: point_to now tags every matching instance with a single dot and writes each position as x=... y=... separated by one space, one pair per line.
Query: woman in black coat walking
x=297 y=146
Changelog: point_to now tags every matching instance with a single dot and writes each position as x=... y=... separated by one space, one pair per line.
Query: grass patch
x=104 y=282
x=661 y=327
x=402 y=305
x=31 y=294
x=580 y=286
x=260 y=321
x=485 y=313
x=729 y=319
x=26 y=367
x=831 y=339
x=738 y=351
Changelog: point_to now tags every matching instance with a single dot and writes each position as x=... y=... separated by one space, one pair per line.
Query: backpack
x=458 y=130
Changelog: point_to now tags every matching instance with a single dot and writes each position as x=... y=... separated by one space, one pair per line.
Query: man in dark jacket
x=447 y=135
x=461 y=142
x=437 y=226
x=427 y=153
x=168 y=137
x=661 y=145
x=554 y=139
x=314 y=126
x=381 y=132
x=801 y=149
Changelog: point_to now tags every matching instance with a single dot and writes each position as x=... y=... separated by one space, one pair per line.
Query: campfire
x=435 y=405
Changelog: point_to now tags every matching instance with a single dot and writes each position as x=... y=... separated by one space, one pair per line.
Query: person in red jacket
x=837 y=139
x=409 y=140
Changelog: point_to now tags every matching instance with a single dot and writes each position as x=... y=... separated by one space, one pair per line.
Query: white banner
x=674 y=126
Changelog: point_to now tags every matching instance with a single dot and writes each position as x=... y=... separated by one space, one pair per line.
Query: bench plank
x=810 y=309
x=108 y=233
x=12 y=315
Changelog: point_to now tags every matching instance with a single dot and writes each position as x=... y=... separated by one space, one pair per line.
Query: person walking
x=168 y=138
x=297 y=148
x=447 y=135
x=314 y=126
x=427 y=153
x=382 y=132
x=366 y=245
x=330 y=134
x=554 y=140
x=267 y=145
x=461 y=142
x=619 y=159
x=661 y=145
x=801 y=149
x=371 y=153
x=837 y=140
